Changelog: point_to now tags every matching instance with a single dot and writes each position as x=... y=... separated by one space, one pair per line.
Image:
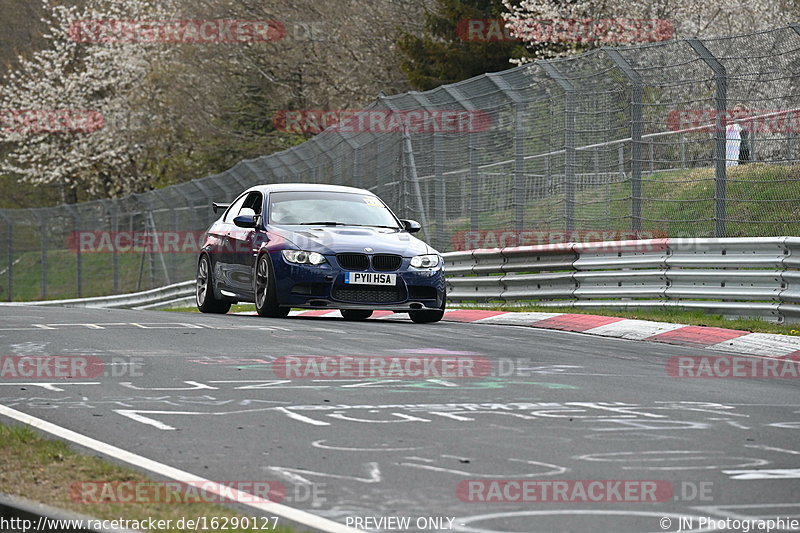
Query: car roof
x=318 y=187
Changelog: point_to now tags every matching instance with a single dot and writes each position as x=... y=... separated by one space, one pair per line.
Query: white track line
x=296 y=515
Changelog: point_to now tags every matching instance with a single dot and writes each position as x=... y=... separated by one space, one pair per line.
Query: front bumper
x=321 y=287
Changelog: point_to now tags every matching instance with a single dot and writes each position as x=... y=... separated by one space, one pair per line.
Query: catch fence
x=619 y=142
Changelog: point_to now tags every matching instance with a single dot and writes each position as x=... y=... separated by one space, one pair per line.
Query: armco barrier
x=735 y=277
x=175 y=295
x=16 y=512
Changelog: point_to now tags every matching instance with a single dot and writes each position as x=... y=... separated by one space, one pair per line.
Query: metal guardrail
x=174 y=295
x=18 y=515
x=736 y=277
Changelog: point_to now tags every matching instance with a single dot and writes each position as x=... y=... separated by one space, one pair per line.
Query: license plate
x=370 y=278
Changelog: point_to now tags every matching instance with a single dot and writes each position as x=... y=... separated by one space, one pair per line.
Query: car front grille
x=371 y=295
x=353 y=261
x=386 y=262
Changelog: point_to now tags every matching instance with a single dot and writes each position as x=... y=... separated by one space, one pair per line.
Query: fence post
x=149 y=225
x=570 y=163
x=114 y=256
x=720 y=152
x=439 y=204
x=76 y=228
x=519 y=166
x=683 y=151
x=474 y=190
x=173 y=255
x=358 y=168
x=10 y=254
x=472 y=156
x=405 y=181
x=43 y=240
x=637 y=95
x=411 y=168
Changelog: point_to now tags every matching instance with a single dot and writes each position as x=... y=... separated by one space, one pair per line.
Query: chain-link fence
x=684 y=138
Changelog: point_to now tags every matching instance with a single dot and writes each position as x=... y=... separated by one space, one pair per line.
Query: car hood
x=338 y=239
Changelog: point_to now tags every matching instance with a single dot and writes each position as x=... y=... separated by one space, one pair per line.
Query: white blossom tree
x=45 y=103
x=688 y=18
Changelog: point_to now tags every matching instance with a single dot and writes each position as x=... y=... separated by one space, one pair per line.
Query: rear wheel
x=355 y=314
x=204 y=293
x=266 y=299
x=427 y=316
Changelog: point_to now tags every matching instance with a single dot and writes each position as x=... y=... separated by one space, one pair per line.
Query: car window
x=233 y=210
x=253 y=202
x=308 y=207
x=247 y=204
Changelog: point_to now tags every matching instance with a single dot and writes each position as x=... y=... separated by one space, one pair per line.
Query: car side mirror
x=245 y=221
x=411 y=226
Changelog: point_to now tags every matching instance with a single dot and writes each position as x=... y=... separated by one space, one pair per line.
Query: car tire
x=427 y=316
x=265 y=296
x=356 y=314
x=204 y=291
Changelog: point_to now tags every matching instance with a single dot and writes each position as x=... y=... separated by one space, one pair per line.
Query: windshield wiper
x=373 y=226
x=331 y=223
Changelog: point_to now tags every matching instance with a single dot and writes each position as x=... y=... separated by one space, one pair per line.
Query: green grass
x=44 y=470
x=96 y=269
x=679 y=203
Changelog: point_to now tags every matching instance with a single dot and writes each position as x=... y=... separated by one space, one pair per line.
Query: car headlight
x=302 y=257
x=425 y=261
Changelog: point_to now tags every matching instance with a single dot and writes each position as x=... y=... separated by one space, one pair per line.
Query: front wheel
x=204 y=293
x=266 y=299
x=355 y=314
x=427 y=316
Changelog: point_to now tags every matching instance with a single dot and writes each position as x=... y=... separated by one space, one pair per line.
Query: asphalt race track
x=198 y=393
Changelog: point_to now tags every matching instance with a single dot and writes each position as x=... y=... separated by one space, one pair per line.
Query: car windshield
x=329 y=208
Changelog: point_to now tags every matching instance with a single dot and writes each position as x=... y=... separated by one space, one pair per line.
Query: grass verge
x=43 y=470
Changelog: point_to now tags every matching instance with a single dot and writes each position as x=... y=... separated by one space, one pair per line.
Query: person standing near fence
x=737 y=138
x=746 y=145
x=733 y=143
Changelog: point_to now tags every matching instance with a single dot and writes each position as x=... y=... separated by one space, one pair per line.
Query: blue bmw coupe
x=318 y=247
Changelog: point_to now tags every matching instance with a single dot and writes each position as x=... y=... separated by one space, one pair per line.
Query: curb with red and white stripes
x=703 y=337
